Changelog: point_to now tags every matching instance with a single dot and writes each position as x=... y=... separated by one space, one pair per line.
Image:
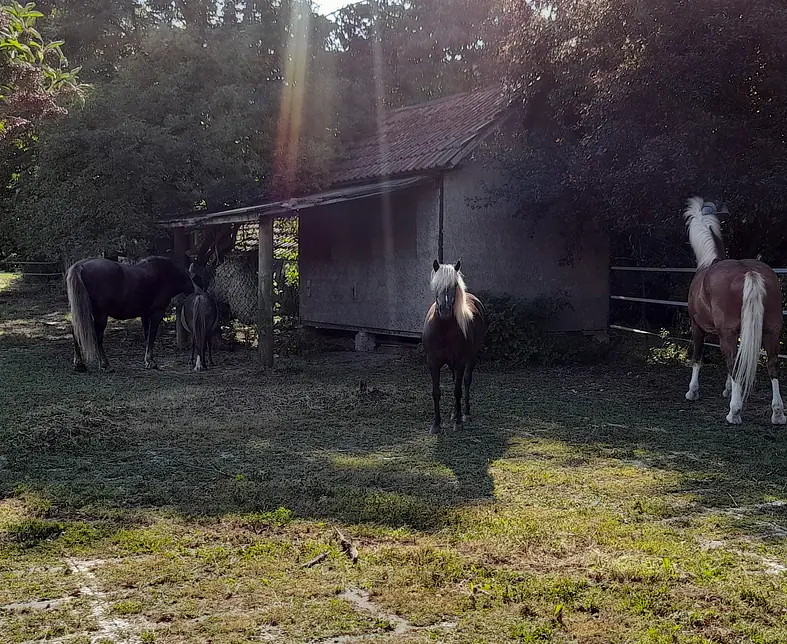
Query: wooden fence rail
x=13 y=265
x=645 y=300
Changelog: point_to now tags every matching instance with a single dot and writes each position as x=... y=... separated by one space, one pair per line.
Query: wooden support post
x=180 y=254
x=265 y=292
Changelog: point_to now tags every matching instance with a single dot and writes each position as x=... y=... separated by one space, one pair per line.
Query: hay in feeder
x=235 y=285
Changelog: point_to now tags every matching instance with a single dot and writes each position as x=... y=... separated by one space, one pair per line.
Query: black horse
x=100 y=288
x=453 y=335
x=199 y=317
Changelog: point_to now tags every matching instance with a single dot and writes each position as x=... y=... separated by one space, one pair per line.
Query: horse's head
x=446 y=281
x=181 y=279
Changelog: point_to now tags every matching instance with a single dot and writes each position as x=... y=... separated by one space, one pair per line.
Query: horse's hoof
x=466 y=418
x=692 y=395
x=80 y=368
x=778 y=417
x=734 y=419
x=199 y=369
x=436 y=430
x=105 y=368
x=458 y=427
x=151 y=365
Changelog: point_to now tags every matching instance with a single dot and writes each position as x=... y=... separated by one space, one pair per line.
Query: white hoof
x=692 y=395
x=778 y=417
x=466 y=418
x=734 y=419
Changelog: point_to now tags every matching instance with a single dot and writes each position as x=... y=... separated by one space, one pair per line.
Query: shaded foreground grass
x=583 y=505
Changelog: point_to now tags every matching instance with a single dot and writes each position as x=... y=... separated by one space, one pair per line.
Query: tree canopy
x=201 y=104
x=35 y=82
x=628 y=107
x=631 y=106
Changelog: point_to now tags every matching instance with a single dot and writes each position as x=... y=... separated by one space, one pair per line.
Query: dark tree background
x=634 y=105
x=628 y=107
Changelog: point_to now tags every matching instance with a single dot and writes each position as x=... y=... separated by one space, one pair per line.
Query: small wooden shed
x=416 y=190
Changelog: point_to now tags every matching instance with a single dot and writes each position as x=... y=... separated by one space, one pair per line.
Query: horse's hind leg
x=155 y=320
x=770 y=340
x=79 y=363
x=101 y=325
x=698 y=338
x=434 y=372
x=728 y=340
x=466 y=418
x=201 y=364
x=458 y=380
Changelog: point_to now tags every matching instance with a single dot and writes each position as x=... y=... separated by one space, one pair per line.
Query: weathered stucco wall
x=366 y=264
x=509 y=253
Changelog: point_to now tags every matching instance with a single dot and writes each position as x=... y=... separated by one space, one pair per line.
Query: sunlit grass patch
x=7 y=280
x=584 y=504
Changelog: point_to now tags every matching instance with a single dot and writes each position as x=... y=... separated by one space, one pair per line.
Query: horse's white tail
x=752 y=311
x=81 y=314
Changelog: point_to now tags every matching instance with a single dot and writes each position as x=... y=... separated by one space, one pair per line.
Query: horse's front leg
x=145 y=327
x=434 y=372
x=698 y=338
x=459 y=377
x=468 y=381
x=155 y=321
x=770 y=339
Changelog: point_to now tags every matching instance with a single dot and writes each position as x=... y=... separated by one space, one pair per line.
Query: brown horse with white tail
x=733 y=299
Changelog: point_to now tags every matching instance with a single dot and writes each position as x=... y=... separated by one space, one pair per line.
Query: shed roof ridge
x=450 y=97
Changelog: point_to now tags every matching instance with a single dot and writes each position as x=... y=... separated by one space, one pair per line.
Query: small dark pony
x=453 y=335
x=199 y=316
x=732 y=298
x=100 y=288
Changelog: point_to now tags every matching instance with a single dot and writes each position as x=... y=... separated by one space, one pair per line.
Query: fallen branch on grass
x=347 y=546
x=318 y=559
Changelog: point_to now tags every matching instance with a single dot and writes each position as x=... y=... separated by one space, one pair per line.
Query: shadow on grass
x=640 y=414
x=310 y=437
x=306 y=436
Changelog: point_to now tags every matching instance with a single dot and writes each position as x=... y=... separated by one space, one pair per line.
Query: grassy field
x=584 y=504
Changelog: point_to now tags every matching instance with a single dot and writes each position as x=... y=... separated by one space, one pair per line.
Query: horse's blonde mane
x=702 y=229
x=465 y=305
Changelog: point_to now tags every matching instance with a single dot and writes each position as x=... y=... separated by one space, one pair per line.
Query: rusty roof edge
x=291 y=207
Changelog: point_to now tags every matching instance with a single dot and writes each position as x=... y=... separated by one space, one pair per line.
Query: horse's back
x=200 y=304
x=126 y=291
x=716 y=294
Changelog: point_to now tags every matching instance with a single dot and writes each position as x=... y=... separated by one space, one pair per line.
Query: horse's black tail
x=81 y=314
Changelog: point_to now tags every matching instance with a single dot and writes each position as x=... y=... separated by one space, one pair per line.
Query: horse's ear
x=458 y=265
x=192 y=272
x=436 y=265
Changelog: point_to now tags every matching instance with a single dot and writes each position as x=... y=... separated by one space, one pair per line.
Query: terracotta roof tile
x=429 y=136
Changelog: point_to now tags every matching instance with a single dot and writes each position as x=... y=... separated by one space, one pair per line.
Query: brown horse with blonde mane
x=732 y=299
x=453 y=334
